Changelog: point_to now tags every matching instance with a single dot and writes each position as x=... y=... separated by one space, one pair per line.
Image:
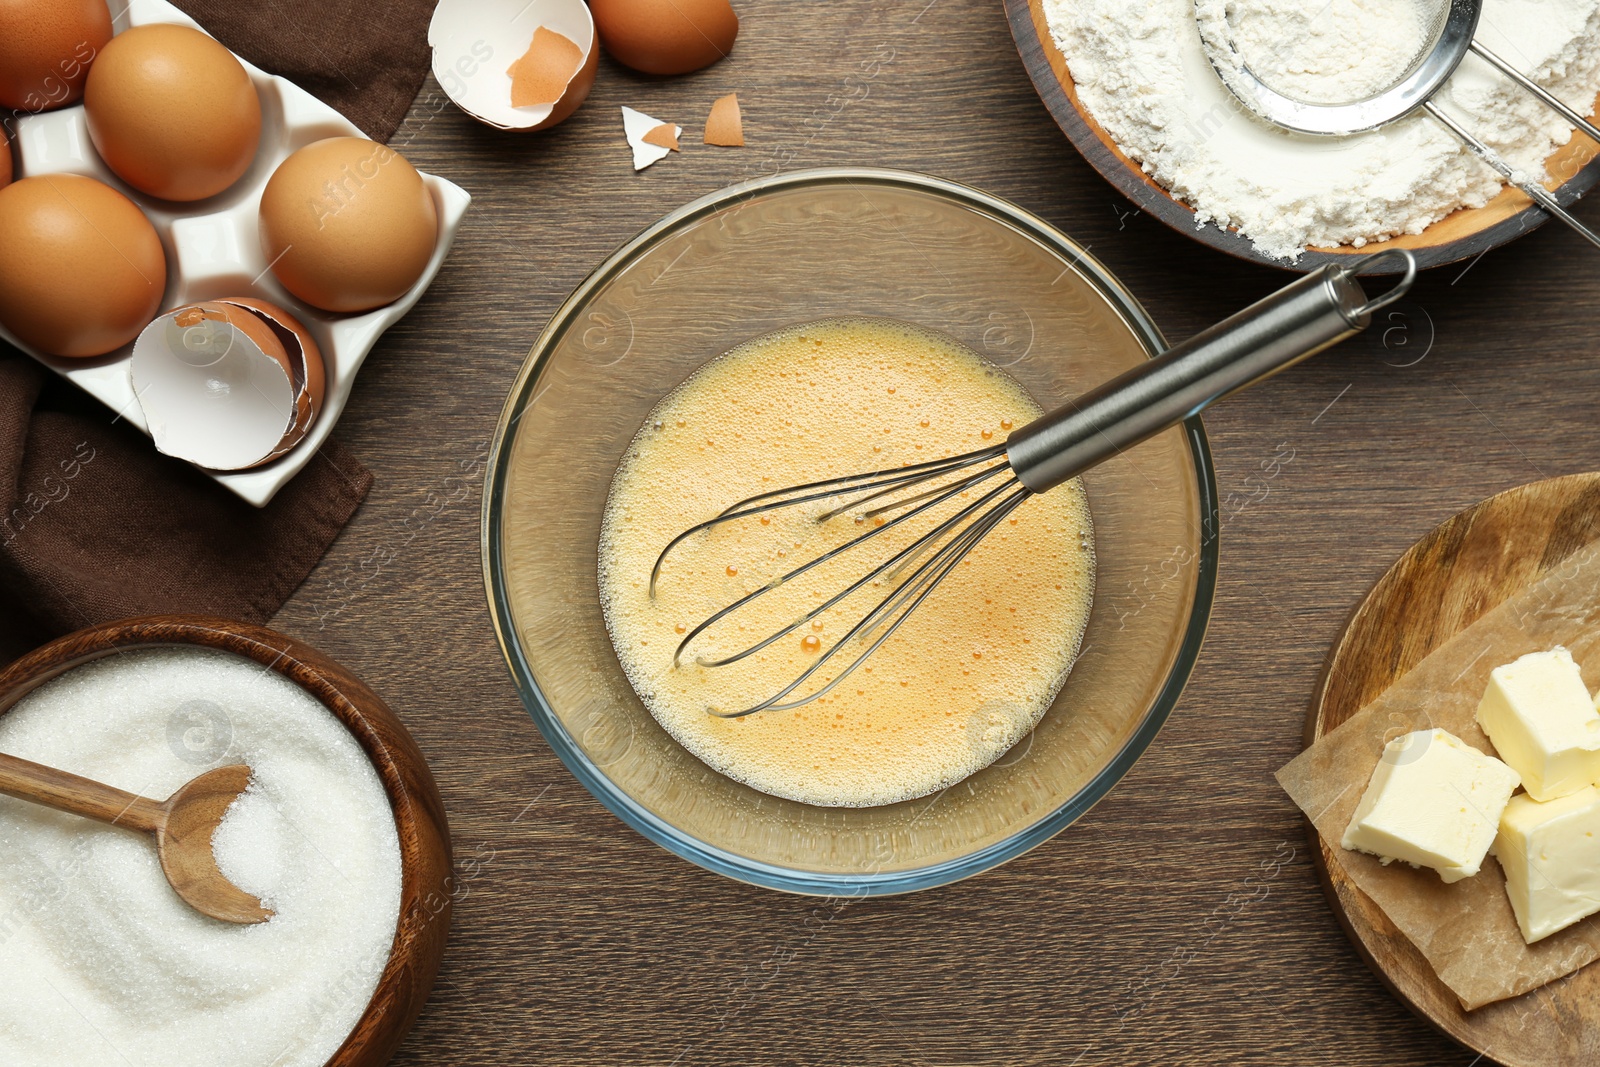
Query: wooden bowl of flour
x=1462 y=235
x=424 y=836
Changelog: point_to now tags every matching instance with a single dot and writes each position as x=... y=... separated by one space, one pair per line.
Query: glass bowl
x=790 y=249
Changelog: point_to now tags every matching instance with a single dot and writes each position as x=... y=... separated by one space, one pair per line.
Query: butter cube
x=1538 y=713
x=1433 y=801
x=1551 y=855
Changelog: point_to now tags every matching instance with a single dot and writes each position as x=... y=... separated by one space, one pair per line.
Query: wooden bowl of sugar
x=1464 y=234
x=345 y=837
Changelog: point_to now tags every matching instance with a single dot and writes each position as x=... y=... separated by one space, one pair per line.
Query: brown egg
x=666 y=36
x=81 y=269
x=347 y=224
x=46 y=47
x=5 y=159
x=172 y=112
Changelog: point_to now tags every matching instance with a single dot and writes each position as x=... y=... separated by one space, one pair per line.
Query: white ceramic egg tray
x=213 y=250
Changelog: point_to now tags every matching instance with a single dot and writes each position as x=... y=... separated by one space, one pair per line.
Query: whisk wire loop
x=943 y=494
x=889 y=568
x=897 y=606
x=822 y=490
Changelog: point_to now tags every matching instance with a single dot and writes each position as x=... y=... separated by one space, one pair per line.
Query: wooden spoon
x=182 y=826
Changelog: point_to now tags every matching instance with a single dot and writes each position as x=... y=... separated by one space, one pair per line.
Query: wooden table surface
x=1181 y=921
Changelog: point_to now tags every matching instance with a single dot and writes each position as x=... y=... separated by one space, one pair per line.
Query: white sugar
x=101 y=963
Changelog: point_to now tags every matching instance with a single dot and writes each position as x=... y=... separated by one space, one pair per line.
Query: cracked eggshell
x=637 y=128
x=227 y=384
x=308 y=369
x=476 y=42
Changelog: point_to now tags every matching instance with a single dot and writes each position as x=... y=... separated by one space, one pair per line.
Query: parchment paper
x=1466 y=930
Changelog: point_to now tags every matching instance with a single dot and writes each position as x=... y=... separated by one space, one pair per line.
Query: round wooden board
x=1458 y=236
x=1442 y=584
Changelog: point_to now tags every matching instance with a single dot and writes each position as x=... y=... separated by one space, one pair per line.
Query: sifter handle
x=1529 y=185
x=1299 y=320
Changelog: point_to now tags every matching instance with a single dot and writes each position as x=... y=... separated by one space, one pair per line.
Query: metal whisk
x=1318 y=310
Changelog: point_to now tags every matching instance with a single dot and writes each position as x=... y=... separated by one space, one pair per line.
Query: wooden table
x=1179 y=922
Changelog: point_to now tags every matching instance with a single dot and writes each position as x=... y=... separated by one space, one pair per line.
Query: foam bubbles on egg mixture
x=968 y=674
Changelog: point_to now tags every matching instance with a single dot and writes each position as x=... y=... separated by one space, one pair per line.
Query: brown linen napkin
x=98 y=525
x=367 y=60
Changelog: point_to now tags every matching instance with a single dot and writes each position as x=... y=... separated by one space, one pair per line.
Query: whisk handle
x=1301 y=319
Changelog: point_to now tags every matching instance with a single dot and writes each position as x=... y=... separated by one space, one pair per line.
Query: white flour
x=1142 y=72
x=1321 y=51
x=102 y=964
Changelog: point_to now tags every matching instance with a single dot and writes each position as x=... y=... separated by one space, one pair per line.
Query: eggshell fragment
x=227 y=384
x=664 y=135
x=541 y=76
x=666 y=36
x=636 y=125
x=480 y=47
x=46 y=48
x=725 y=125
